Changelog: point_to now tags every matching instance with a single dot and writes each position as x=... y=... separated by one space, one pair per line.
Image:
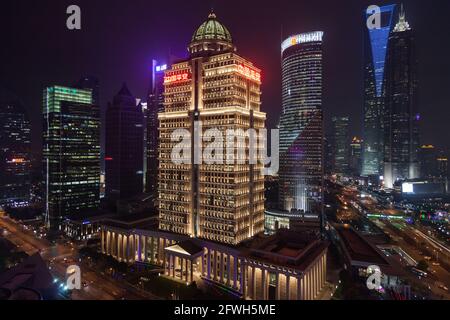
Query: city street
x=59 y=256
x=351 y=209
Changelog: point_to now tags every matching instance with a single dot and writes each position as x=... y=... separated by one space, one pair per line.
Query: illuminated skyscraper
x=401 y=118
x=71 y=156
x=15 y=148
x=219 y=202
x=341 y=139
x=155 y=105
x=301 y=124
x=375 y=49
x=124 y=146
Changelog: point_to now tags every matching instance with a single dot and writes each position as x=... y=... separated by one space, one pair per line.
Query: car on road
x=443 y=287
x=419 y=272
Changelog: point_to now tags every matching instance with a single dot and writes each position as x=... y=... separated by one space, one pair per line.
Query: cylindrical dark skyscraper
x=301 y=124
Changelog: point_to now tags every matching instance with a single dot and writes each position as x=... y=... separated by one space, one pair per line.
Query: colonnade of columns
x=133 y=247
x=265 y=282
x=178 y=267
x=251 y=278
x=221 y=267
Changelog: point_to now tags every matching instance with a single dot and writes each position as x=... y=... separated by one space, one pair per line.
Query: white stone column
x=228 y=270
x=166 y=267
x=144 y=247
x=277 y=291
x=244 y=276
x=222 y=267
x=124 y=248
x=235 y=272
x=191 y=272
x=118 y=237
x=208 y=258
x=203 y=264
x=186 y=267
x=152 y=250
x=215 y=265
x=288 y=288
x=181 y=268
x=163 y=251
x=263 y=284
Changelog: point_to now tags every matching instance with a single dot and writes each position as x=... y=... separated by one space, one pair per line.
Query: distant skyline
x=119 y=39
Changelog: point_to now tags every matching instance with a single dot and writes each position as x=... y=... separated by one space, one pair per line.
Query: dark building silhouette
x=124 y=156
x=341 y=140
x=401 y=118
x=442 y=165
x=356 y=156
x=428 y=155
x=15 y=150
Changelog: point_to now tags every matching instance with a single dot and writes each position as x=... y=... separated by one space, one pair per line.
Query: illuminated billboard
x=315 y=36
x=176 y=78
x=161 y=68
x=407 y=187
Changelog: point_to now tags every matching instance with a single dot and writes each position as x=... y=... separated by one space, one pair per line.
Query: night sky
x=119 y=38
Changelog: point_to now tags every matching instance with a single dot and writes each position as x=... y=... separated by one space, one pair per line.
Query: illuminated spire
x=212 y=15
x=402 y=24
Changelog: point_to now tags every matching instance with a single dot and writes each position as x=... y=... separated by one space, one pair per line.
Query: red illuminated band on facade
x=176 y=78
x=249 y=73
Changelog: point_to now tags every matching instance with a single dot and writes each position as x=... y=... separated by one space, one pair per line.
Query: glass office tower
x=71 y=155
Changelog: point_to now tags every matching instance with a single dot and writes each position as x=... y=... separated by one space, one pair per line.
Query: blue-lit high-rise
x=301 y=124
x=375 y=50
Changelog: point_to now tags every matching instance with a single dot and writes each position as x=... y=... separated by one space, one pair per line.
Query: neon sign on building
x=302 y=38
x=249 y=73
x=161 y=68
x=176 y=78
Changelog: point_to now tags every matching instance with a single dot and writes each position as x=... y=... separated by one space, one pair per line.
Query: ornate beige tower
x=214 y=89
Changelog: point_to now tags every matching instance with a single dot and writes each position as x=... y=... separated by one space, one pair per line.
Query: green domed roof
x=212 y=29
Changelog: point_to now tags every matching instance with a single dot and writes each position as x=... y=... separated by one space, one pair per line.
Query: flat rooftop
x=359 y=249
x=287 y=248
x=132 y=221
